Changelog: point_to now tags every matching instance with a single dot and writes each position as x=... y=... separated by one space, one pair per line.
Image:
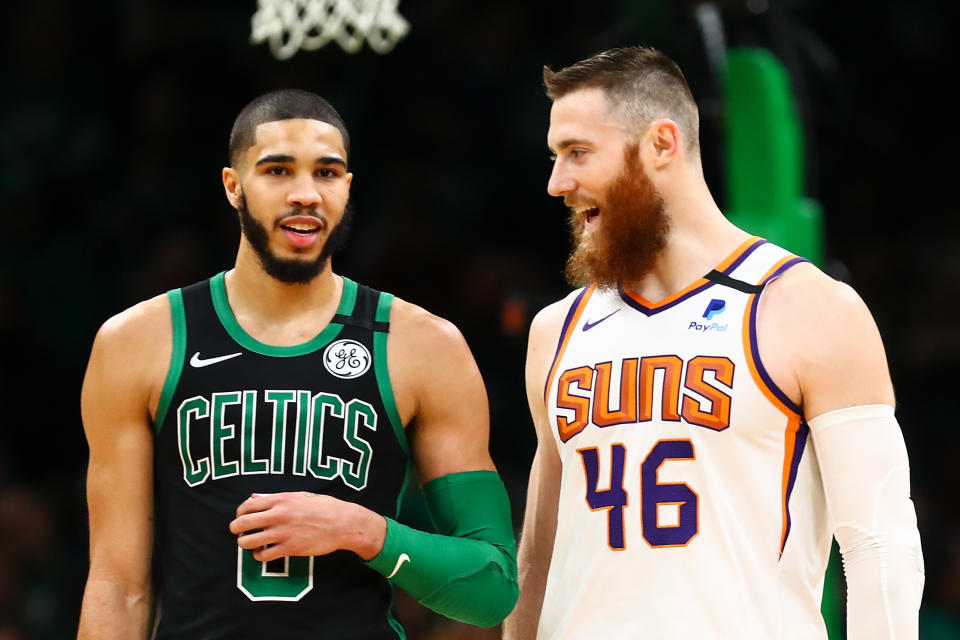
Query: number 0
x=292 y=581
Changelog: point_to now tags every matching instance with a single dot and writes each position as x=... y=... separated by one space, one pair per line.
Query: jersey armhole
x=751 y=345
x=569 y=324
x=179 y=318
x=382 y=371
x=795 y=434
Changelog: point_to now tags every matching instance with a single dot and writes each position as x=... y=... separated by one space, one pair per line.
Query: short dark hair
x=283 y=104
x=640 y=82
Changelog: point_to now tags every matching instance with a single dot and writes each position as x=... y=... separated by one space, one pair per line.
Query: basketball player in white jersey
x=710 y=409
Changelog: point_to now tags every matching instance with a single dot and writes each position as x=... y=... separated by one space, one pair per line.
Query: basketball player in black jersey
x=252 y=433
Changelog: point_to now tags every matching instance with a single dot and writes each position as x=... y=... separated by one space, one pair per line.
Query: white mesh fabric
x=291 y=25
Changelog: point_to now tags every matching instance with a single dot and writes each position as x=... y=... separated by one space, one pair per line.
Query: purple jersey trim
x=563 y=333
x=743 y=256
x=754 y=348
x=649 y=311
x=799 y=444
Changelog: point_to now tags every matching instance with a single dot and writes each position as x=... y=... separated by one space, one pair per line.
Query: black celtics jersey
x=236 y=417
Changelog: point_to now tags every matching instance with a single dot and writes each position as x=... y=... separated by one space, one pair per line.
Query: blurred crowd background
x=114 y=118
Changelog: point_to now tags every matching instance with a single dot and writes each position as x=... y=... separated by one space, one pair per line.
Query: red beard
x=631 y=233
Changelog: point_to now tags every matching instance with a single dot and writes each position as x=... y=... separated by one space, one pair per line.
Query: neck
x=699 y=239
x=255 y=295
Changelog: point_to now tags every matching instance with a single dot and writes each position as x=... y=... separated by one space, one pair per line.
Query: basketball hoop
x=291 y=25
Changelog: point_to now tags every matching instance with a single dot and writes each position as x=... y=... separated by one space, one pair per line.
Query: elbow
x=502 y=607
x=482 y=602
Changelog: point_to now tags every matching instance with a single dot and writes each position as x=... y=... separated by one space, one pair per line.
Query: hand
x=306 y=524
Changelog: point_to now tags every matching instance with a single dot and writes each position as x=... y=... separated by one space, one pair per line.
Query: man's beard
x=291 y=270
x=632 y=231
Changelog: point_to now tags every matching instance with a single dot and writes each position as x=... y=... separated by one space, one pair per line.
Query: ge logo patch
x=346 y=359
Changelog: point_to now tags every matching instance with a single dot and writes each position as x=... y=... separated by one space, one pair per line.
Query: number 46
x=652 y=495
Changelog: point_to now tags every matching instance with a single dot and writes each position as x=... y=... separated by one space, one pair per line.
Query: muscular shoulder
x=826 y=334
x=542 y=342
x=819 y=312
x=139 y=325
x=427 y=353
x=548 y=322
x=132 y=350
x=417 y=330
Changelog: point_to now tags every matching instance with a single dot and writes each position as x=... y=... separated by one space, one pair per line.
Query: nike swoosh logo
x=403 y=558
x=590 y=325
x=197 y=361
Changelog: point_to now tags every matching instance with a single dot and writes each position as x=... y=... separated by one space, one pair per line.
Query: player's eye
x=327 y=173
x=277 y=171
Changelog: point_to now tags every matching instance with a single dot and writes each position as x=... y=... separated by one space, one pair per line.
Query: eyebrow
x=276 y=157
x=332 y=160
x=569 y=142
x=281 y=158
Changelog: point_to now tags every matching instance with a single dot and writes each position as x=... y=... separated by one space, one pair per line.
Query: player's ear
x=231 y=186
x=664 y=141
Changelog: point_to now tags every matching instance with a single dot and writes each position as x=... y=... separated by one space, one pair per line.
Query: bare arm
x=115 y=401
x=543 y=490
x=836 y=364
x=834 y=357
x=440 y=394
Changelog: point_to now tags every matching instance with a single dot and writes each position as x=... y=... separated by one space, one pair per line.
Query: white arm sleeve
x=866 y=477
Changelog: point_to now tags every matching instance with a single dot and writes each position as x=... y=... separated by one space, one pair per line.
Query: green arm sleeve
x=468 y=571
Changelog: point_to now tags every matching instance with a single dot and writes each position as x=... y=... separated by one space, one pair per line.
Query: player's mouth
x=302 y=231
x=590 y=215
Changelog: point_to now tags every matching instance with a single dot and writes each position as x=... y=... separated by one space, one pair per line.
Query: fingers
x=252 y=521
x=258 y=502
x=257 y=539
x=272 y=553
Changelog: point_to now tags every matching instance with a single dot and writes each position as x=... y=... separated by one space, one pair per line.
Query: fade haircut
x=641 y=84
x=283 y=104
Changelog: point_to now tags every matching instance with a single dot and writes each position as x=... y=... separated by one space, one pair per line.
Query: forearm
x=467 y=571
x=522 y=623
x=467 y=580
x=113 y=610
x=863 y=461
x=536 y=546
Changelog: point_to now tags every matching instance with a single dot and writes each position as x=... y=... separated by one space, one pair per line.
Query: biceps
x=120 y=501
x=451 y=432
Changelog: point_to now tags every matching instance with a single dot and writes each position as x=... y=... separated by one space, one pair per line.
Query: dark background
x=114 y=119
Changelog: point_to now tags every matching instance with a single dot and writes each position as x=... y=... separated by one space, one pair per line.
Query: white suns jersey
x=691 y=504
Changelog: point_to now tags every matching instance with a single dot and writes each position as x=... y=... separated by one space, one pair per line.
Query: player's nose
x=304 y=193
x=561 y=183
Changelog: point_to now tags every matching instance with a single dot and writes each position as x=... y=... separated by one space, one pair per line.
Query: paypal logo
x=715 y=307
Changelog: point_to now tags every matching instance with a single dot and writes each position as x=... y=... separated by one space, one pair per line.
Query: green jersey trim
x=218 y=291
x=179 y=318
x=383 y=374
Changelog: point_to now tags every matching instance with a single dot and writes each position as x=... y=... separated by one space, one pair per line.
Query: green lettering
x=280 y=400
x=355 y=475
x=220 y=432
x=194 y=472
x=321 y=403
x=251 y=464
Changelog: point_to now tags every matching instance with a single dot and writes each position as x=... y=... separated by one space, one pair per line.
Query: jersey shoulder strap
x=763 y=265
x=367 y=312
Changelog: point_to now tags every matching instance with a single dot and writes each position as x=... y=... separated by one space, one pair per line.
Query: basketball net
x=291 y=25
